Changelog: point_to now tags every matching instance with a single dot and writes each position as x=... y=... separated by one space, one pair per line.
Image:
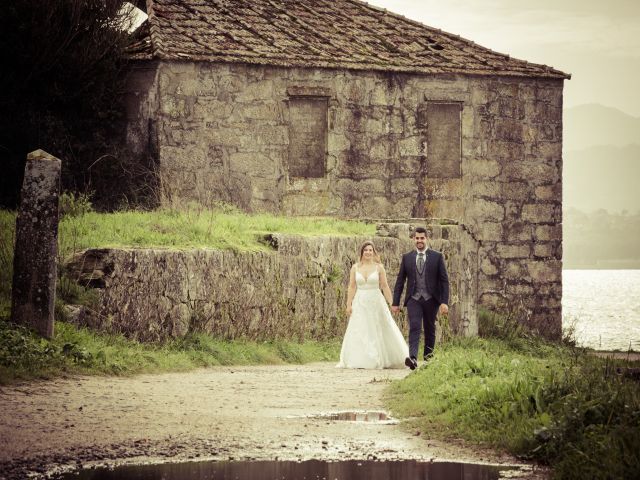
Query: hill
x=602 y=177
x=591 y=125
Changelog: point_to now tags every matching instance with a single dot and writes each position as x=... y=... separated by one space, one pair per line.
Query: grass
x=547 y=402
x=196 y=228
x=7 y=226
x=221 y=228
x=26 y=356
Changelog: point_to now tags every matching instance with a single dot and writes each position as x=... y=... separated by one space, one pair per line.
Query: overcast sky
x=598 y=42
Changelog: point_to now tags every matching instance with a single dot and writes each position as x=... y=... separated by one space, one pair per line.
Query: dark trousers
x=422 y=312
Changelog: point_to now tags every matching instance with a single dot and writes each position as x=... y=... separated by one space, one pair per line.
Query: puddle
x=307 y=470
x=369 y=417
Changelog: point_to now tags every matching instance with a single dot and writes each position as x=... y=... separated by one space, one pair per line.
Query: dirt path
x=221 y=413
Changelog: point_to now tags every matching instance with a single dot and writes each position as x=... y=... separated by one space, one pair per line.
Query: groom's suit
x=426 y=290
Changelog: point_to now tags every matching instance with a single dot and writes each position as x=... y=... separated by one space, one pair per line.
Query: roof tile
x=314 y=33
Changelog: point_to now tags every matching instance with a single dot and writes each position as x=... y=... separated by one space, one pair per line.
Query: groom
x=427 y=292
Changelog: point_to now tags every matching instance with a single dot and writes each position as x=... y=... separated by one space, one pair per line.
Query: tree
x=63 y=74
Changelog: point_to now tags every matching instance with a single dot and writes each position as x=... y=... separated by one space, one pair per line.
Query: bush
x=557 y=405
x=61 y=91
x=595 y=427
x=7 y=239
x=75 y=204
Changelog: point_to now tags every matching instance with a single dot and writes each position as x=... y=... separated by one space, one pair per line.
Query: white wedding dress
x=372 y=339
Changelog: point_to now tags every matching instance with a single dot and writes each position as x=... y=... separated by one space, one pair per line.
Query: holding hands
x=444 y=309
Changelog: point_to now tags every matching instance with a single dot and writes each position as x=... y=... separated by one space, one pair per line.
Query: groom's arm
x=397 y=291
x=443 y=279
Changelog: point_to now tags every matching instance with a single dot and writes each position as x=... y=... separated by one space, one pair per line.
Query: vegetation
x=547 y=402
x=61 y=91
x=7 y=226
x=24 y=355
x=222 y=227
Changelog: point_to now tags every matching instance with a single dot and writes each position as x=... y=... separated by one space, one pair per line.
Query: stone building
x=336 y=107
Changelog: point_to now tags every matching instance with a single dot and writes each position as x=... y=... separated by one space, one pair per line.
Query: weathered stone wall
x=223 y=133
x=297 y=289
x=513 y=197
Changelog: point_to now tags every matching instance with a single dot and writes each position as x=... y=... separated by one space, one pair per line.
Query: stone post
x=34 y=261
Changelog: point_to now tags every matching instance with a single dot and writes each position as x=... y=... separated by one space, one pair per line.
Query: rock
x=34 y=262
x=75 y=314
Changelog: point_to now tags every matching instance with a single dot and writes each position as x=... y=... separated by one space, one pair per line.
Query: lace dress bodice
x=372 y=282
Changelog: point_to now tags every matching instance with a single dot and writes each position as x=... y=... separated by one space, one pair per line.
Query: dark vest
x=420 y=288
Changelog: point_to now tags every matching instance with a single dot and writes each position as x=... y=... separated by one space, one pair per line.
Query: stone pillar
x=34 y=261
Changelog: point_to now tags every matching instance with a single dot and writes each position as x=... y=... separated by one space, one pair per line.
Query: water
x=605 y=307
x=380 y=418
x=309 y=470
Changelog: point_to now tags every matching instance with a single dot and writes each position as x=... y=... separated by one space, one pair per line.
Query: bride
x=372 y=339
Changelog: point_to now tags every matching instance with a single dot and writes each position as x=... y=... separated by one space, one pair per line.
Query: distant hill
x=600 y=240
x=591 y=125
x=602 y=177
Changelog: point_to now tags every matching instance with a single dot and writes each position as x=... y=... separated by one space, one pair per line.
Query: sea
x=603 y=308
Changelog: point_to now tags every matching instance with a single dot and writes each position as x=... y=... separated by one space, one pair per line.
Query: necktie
x=420 y=262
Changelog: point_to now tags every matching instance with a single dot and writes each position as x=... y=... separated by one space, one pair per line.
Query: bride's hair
x=376 y=256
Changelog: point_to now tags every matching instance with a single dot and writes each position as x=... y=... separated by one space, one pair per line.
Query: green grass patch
x=197 y=228
x=546 y=402
x=24 y=355
x=222 y=228
x=7 y=227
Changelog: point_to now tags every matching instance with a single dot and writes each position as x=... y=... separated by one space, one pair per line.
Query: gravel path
x=255 y=412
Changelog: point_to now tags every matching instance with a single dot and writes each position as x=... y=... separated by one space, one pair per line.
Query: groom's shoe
x=411 y=363
x=427 y=359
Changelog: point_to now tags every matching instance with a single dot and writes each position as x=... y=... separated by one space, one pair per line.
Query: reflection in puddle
x=372 y=417
x=309 y=470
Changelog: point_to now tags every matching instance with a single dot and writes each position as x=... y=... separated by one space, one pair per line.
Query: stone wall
x=513 y=197
x=294 y=289
x=222 y=132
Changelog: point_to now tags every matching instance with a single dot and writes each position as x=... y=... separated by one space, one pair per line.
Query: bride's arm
x=384 y=285
x=351 y=290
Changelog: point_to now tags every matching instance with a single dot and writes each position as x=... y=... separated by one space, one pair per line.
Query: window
x=307 y=136
x=442 y=122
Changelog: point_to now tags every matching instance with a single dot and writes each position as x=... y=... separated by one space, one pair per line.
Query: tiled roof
x=141 y=46
x=315 y=33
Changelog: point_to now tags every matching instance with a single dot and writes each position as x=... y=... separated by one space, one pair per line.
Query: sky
x=597 y=42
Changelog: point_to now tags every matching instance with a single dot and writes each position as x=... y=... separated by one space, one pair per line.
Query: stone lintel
x=309 y=91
